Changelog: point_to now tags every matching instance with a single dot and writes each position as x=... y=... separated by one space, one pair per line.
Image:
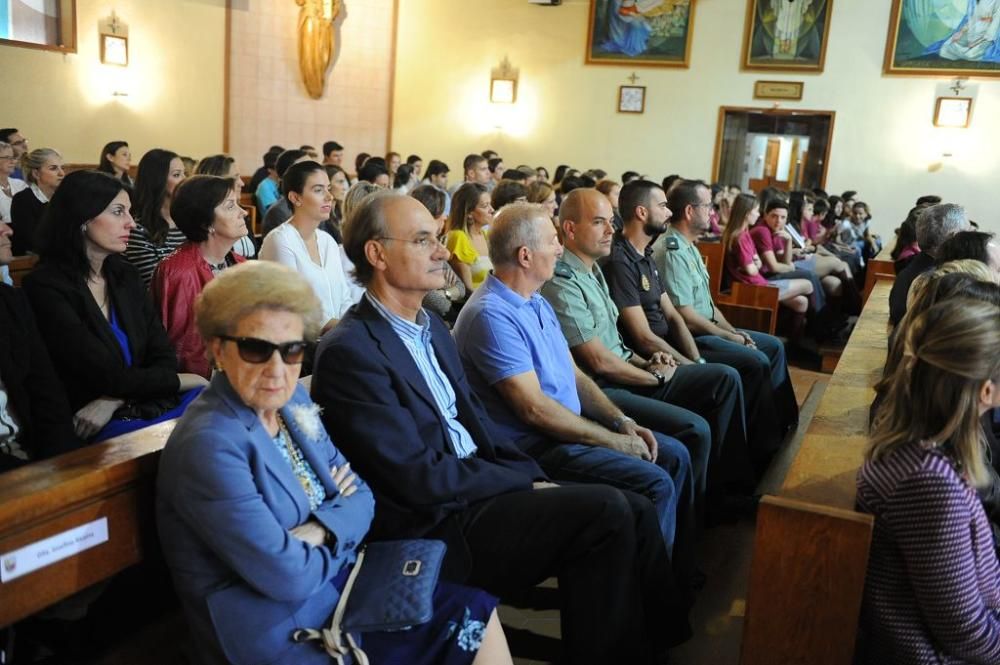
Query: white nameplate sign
x=54 y=548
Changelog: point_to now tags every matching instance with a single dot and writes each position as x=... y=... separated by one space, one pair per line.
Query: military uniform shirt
x=583 y=305
x=685 y=277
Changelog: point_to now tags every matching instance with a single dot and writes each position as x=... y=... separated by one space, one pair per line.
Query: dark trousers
x=771 y=407
x=696 y=396
x=619 y=601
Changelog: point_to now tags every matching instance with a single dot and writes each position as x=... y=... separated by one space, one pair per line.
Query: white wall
x=174 y=80
x=884 y=143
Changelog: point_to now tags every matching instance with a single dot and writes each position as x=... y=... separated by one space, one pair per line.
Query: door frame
x=720 y=126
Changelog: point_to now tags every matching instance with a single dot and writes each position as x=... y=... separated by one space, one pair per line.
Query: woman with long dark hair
x=106 y=341
x=116 y=159
x=155 y=235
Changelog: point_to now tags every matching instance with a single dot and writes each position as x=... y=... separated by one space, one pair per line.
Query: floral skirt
x=451 y=637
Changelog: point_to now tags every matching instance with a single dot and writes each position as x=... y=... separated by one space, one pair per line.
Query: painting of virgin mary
x=640 y=32
x=944 y=37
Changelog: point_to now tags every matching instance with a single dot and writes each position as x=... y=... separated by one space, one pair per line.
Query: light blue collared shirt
x=416 y=337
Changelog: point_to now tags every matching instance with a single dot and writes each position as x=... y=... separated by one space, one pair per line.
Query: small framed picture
x=953 y=112
x=114 y=50
x=631 y=99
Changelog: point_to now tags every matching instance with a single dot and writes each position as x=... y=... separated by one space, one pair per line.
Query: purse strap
x=333 y=638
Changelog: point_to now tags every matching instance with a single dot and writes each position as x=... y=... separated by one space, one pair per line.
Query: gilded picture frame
x=933 y=38
x=786 y=35
x=640 y=33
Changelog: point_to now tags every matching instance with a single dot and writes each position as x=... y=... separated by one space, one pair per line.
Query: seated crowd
x=534 y=373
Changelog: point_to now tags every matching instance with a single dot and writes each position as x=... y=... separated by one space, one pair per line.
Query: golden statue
x=316 y=42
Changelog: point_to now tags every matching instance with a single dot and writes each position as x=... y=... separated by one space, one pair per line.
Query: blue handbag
x=390 y=588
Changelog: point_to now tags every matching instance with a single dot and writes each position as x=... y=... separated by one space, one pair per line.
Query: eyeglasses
x=702 y=205
x=425 y=243
x=258 y=351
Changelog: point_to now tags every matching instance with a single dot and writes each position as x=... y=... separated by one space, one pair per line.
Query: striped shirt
x=416 y=337
x=145 y=255
x=932 y=591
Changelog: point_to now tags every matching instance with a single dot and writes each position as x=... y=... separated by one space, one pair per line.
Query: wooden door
x=771 y=158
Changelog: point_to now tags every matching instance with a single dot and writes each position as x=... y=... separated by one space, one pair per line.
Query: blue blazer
x=226 y=500
x=377 y=404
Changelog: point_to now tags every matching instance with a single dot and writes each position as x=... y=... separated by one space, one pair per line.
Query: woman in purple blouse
x=932 y=593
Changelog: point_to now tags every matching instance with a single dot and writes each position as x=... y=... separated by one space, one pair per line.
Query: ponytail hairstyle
x=948 y=352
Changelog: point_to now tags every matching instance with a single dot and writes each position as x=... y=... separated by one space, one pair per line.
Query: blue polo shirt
x=500 y=334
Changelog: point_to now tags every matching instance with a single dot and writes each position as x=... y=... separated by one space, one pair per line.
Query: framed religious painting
x=944 y=38
x=789 y=35
x=640 y=33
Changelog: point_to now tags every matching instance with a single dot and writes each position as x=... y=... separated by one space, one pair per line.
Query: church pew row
x=744 y=305
x=811 y=547
x=113 y=480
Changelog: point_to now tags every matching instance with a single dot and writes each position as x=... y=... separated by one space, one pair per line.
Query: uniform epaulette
x=563 y=270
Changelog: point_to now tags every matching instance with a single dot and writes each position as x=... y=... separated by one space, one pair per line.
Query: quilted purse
x=391 y=587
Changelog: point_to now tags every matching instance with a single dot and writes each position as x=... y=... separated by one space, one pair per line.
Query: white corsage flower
x=306 y=417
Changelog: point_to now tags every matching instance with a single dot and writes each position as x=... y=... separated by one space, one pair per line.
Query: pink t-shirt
x=743 y=254
x=812 y=229
x=766 y=240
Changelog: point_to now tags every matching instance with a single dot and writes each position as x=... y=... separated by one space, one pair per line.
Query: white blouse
x=328 y=281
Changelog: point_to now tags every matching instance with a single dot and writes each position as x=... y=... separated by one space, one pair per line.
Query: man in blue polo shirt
x=520 y=366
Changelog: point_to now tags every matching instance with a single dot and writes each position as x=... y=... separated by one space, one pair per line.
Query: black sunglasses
x=257 y=351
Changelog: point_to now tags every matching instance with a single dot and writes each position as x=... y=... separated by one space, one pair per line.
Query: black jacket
x=921 y=263
x=25 y=214
x=380 y=412
x=82 y=345
x=34 y=392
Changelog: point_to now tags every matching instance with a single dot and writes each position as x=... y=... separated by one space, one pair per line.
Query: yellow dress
x=460 y=245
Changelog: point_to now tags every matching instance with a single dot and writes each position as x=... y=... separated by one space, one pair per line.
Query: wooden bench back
x=744 y=305
x=21 y=266
x=811 y=547
x=115 y=480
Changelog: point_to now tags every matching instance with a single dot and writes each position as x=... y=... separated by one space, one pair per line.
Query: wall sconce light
x=503 y=83
x=114 y=42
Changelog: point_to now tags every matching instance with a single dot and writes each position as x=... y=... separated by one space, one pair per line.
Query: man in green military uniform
x=701 y=406
x=685 y=280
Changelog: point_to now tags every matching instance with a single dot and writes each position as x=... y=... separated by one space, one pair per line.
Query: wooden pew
x=878 y=269
x=21 y=266
x=744 y=305
x=811 y=547
x=113 y=480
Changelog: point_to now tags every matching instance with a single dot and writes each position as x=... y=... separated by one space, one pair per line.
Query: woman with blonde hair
x=542 y=192
x=43 y=169
x=262 y=519
x=932 y=591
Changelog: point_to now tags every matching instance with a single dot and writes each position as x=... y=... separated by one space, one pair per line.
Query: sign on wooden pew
x=55 y=548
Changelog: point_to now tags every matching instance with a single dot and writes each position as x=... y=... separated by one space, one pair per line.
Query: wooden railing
x=811 y=547
x=113 y=480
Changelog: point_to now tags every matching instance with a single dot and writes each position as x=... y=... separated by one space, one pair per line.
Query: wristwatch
x=619 y=422
x=660 y=379
x=701 y=361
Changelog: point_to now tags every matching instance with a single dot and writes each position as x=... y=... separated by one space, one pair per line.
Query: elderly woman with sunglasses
x=260 y=515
